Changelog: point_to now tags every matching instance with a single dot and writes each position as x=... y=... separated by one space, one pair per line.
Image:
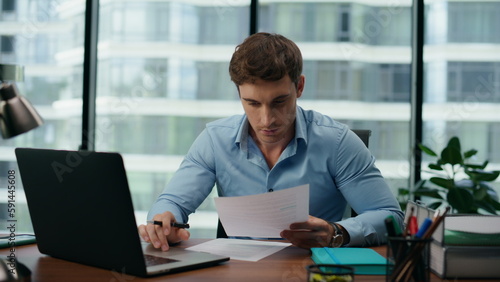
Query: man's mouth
x=269 y=131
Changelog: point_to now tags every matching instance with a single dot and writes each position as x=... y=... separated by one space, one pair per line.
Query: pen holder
x=330 y=273
x=408 y=259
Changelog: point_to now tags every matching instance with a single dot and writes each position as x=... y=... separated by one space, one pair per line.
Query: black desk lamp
x=17 y=115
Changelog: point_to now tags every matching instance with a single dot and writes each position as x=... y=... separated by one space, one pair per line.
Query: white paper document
x=239 y=249
x=263 y=215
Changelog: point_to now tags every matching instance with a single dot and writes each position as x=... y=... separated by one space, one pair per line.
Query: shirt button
x=270 y=190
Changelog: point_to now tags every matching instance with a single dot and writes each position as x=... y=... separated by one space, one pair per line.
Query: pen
x=409 y=223
x=436 y=223
x=413 y=225
x=423 y=228
x=173 y=224
x=393 y=230
x=392 y=226
x=426 y=230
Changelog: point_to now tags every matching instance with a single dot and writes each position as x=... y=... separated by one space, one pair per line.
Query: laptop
x=81 y=210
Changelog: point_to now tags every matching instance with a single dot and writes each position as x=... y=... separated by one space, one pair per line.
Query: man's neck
x=272 y=151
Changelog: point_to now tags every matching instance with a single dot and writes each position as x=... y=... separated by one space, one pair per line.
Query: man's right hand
x=160 y=236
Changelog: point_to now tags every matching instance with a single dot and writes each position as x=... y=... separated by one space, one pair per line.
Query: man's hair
x=265 y=56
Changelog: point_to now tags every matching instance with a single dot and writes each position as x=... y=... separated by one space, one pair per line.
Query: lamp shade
x=17 y=115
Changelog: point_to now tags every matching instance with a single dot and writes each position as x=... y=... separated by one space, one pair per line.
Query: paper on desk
x=239 y=249
x=263 y=215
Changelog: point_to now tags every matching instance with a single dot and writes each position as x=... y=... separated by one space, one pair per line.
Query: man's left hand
x=315 y=232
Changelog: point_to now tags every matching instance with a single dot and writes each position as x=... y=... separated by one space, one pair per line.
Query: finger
x=306 y=239
x=305 y=243
x=166 y=225
x=178 y=235
x=183 y=234
x=301 y=225
x=161 y=232
x=301 y=239
x=297 y=235
x=155 y=233
x=164 y=231
x=143 y=233
x=162 y=236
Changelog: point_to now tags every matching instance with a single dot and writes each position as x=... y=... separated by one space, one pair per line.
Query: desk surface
x=285 y=265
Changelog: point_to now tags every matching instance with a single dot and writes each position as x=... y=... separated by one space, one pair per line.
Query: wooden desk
x=285 y=265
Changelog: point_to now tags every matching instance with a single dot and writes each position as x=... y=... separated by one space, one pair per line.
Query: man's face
x=270 y=107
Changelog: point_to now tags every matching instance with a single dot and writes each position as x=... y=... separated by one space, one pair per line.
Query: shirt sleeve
x=366 y=191
x=191 y=183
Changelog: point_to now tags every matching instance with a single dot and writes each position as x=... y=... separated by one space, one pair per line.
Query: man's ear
x=300 y=85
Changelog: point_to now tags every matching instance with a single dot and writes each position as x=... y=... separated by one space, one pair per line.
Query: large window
x=40 y=35
x=357 y=68
x=163 y=74
x=462 y=79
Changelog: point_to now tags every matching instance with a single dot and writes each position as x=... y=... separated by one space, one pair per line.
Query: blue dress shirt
x=324 y=154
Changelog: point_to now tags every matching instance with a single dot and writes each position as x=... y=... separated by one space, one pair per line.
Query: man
x=278 y=145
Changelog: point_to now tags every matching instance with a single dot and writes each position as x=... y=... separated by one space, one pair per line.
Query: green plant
x=472 y=194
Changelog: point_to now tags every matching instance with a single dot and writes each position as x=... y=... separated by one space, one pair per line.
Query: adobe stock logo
x=121 y=108
x=226 y=6
x=72 y=160
x=361 y=37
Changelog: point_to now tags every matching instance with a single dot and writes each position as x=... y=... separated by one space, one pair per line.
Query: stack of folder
x=465 y=245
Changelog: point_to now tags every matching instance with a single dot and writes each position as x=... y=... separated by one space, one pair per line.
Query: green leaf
x=490 y=190
x=435 y=167
x=451 y=155
x=473 y=166
x=435 y=205
x=480 y=193
x=461 y=200
x=428 y=192
x=481 y=175
x=487 y=207
x=493 y=203
x=443 y=182
x=403 y=205
x=432 y=193
x=484 y=164
x=455 y=143
x=427 y=150
x=403 y=191
x=470 y=153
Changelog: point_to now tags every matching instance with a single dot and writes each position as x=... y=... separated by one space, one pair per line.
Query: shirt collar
x=300 y=129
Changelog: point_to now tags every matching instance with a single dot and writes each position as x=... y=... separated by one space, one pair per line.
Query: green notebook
x=453 y=237
x=18 y=240
x=364 y=261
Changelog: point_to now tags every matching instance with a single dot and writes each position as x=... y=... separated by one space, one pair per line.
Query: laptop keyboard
x=154 y=260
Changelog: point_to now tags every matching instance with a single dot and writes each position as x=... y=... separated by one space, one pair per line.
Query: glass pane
x=462 y=78
x=357 y=67
x=46 y=37
x=162 y=75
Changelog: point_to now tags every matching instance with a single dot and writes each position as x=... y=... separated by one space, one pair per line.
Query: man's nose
x=267 y=116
